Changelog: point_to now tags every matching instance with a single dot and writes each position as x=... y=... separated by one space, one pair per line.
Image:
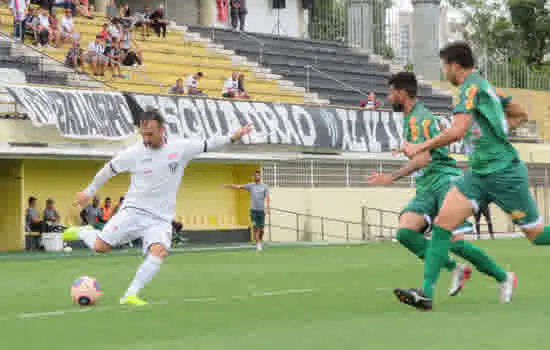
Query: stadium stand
x=161 y=69
x=336 y=71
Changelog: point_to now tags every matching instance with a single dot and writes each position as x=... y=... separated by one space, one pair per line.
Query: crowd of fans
x=233 y=86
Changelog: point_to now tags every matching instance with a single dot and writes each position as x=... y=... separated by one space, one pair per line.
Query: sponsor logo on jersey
x=517 y=214
x=173 y=167
x=173 y=156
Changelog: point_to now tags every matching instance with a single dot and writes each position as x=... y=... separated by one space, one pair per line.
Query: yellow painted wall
x=202 y=202
x=346 y=203
x=11 y=205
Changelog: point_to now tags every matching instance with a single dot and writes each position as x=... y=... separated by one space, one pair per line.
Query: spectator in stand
x=131 y=53
x=114 y=55
x=66 y=29
x=50 y=215
x=90 y=214
x=43 y=28
x=111 y=10
x=238 y=14
x=29 y=24
x=18 y=9
x=126 y=15
x=192 y=85
x=67 y=4
x=231 y=86
x=158 y=22
x=95 y=56
x=143 y=21
x=178 y=89
x=85 y=9
x=74 y=58
x=241 y=89
x=105 y=32
x=371 y=102
x=54 y=28
x=115 y=29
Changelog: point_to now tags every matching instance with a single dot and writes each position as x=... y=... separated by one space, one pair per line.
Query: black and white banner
x=104 y=115
x=77 y=114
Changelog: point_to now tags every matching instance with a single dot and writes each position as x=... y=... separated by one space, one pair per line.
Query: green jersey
x=487 y=144
x=419 y=126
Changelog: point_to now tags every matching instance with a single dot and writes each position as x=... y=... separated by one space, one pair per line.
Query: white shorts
x=129 y=224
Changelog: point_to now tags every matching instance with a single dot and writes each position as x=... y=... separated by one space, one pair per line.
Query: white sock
x=88 y=236
x=144 y=274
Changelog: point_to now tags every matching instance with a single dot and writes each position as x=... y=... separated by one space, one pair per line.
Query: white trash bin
x=52 y=241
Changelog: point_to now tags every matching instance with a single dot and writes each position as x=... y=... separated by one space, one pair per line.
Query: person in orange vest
x=105 y=213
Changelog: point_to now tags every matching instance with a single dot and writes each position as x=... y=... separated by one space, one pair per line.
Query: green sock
x=435 y=257
x=544 y=237
x=415 y=242
x=479 y=259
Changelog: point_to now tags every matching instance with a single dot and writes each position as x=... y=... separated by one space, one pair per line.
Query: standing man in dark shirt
x=33 y=224
x=90 y=214
x=51 y=216
x=238 y=14
x=487 y=214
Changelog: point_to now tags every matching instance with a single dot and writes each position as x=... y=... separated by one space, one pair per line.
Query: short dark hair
x=32 y=199
x=458 y=52
x=152 y=114
x=108 y=198
x=405 y=81
x=200 y=74
x=49 y=201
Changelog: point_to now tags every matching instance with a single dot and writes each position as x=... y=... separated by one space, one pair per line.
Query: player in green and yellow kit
x=433 y=172
x=496 y=174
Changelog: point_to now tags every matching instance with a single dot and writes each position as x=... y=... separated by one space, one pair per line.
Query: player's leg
x=260 y=224
x=157 y=240
x=511 y=193
x=254 y=218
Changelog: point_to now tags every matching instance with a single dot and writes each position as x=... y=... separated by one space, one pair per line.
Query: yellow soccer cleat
x=132 y=300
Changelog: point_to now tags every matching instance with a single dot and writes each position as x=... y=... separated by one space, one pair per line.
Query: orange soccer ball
x=85 y=291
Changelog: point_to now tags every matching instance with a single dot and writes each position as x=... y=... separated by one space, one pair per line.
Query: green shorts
x=429 y=203
x=508 y=189
x=258 y=218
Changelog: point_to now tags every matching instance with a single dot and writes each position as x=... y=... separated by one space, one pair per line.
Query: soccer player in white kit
x=156 y=169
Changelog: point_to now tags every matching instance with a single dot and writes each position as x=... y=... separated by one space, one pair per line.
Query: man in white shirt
x=66 y=28
x=231 y=86
x=192 y=85
x=156 y=167
x=44 y=30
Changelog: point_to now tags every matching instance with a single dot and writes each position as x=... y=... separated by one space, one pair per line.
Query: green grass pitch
x=285 y=298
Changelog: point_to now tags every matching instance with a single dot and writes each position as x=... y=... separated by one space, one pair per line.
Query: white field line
x=205 y=300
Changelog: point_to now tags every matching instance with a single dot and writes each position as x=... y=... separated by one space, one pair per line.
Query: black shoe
x=414 y=297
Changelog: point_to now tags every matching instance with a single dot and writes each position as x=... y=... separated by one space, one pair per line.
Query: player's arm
x=121 y=163
x=193 y=148
x=515 y=115
x=267 y=203
x=234 y=187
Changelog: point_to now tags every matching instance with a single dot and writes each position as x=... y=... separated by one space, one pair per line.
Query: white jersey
x=155 y=174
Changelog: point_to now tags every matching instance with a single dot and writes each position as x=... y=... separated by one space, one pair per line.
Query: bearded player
x=156 y=169
x=496 y=174
x=433 y=172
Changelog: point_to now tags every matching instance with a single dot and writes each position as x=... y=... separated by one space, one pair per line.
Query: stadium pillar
x=360 y=24
x=12 y=205
x=425 y=48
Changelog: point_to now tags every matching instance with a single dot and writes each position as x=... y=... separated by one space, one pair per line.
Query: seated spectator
x=178 y=88
x=131 y=53
x=192 y=83
x=105 y=214
x=115 y=29
x=242 y=94
x=54 y=28
x=113 y=54
x=95 y=56
x=66 y=29
x=33 y=224
x=231 y=85
x=67 y=4
x=158 y=22
x=126 y=15
x=50 y=215
x=371 y=102
x=43 y=28
x=74 y=58
x=30 y=24
x=105 y=32
x=85 y=9
x=90 y=214
x=143 y=21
